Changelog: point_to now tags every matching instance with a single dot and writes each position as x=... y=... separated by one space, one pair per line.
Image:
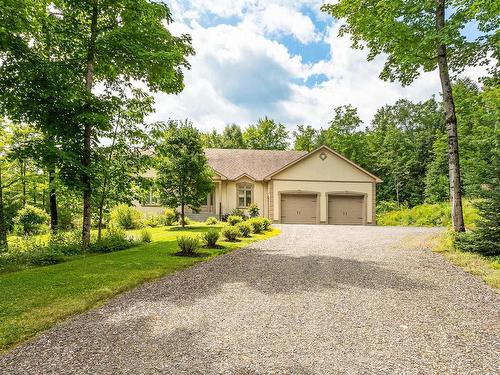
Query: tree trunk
x=451 y=125
x=54 y=220
x=3 y=227
x=87 y=132
x=183 y=222
x=23 y=182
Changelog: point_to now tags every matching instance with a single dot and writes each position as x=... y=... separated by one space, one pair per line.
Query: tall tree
x=306 y=138
x=89 y=43
x=232 y=137
x=184 y=177
x=416 y=36
x=266 y=135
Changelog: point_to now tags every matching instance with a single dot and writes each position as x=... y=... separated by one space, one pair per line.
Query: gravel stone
x=314 y=300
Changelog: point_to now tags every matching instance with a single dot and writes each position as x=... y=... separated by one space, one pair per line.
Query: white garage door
x=298 y=209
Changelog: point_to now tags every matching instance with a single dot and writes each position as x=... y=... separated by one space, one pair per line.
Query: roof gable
x=332 y=166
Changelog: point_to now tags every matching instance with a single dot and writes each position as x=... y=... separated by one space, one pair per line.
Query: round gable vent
x=322 y=156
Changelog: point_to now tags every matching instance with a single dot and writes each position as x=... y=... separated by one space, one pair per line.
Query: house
x=296 y=187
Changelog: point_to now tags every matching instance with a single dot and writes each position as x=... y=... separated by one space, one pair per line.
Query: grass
x=35 y=299
x=487 y=267
x=427 y=215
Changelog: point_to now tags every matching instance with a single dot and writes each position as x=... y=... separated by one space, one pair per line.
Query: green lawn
x=34 y=299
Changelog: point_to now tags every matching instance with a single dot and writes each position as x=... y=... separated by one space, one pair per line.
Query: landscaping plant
x=253 y=210
x=257 y=225
x=211 y=237
x=125 y=217
x=234 y=219
x=188 y=244
x=231 y=233
x=146 y=235
x=211 y=221
x=245 y=228
x=31 y=220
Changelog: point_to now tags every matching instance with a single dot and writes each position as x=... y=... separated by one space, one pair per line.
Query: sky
x=277 y=58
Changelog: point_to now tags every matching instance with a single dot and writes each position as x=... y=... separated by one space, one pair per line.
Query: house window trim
x=246 y=186
x=149 y=203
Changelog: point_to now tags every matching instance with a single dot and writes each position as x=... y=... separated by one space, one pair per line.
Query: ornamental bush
x=266 y=223
x=231 y=233
x=170 y=216
x=188 y=244
x=253 y=210
x=233 y=219
x=245 y=229
x=257 y=225
x=125 y=217
x=146 y=235
x=211 y=221
x=211 y=237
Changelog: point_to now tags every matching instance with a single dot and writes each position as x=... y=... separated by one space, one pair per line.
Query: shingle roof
x=232 y=163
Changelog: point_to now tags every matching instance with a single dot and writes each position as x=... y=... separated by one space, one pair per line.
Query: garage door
x=298 y=209
x=345 y=209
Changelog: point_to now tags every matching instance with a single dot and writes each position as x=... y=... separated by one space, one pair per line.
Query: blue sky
x=277 y=58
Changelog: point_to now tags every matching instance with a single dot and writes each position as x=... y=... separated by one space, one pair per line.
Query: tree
x=306 y=138
x=416 y=36
x=344 y=134
x=232 y=137
x=79 y=45
x=184 y=177
x=266 y=135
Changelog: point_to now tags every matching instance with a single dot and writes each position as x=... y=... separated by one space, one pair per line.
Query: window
x=151 y=198
x=245 y=193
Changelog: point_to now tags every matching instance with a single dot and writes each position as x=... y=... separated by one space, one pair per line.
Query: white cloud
x=241 y=73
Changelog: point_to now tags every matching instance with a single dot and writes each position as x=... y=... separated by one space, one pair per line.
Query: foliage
x=66 y=243
x=231 y=233
x=211 y=221
x=253 y=210
x=306 y=138
x=126 y=217
x=211 y=237
x=114 y=239
x=31 y=220
x=231 y=137
x=146 y=235
x=188 y=244
x=485 y=237
x=266 y=135
x=233 y=219
x=245 y=228
x=238 y=212
x=170 y=216
x=257 y=224
x=266 y=224
x=184 y=177
x=426 y=215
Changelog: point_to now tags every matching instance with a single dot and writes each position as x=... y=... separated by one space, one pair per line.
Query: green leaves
x=266 y=135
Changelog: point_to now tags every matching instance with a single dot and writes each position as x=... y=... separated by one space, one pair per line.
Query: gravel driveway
x=314 y=300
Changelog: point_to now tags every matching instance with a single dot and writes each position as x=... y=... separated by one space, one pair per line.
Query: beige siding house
x=319 y=187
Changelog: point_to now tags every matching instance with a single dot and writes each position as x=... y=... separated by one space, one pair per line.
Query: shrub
x=154 y=221
x=31 y=220
x=245 y=228
x=253 y=210
x=231 y=233
x=238 y=212
x=114 y=239
x=146 y=235
x=211 y=221
x=66 y=243
x=211 y=237
x=266 y=223
x=188 y=244
x=234 y=219
x=45 y=257
x=257 y=225
x=125 y=217
x=170 y=216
